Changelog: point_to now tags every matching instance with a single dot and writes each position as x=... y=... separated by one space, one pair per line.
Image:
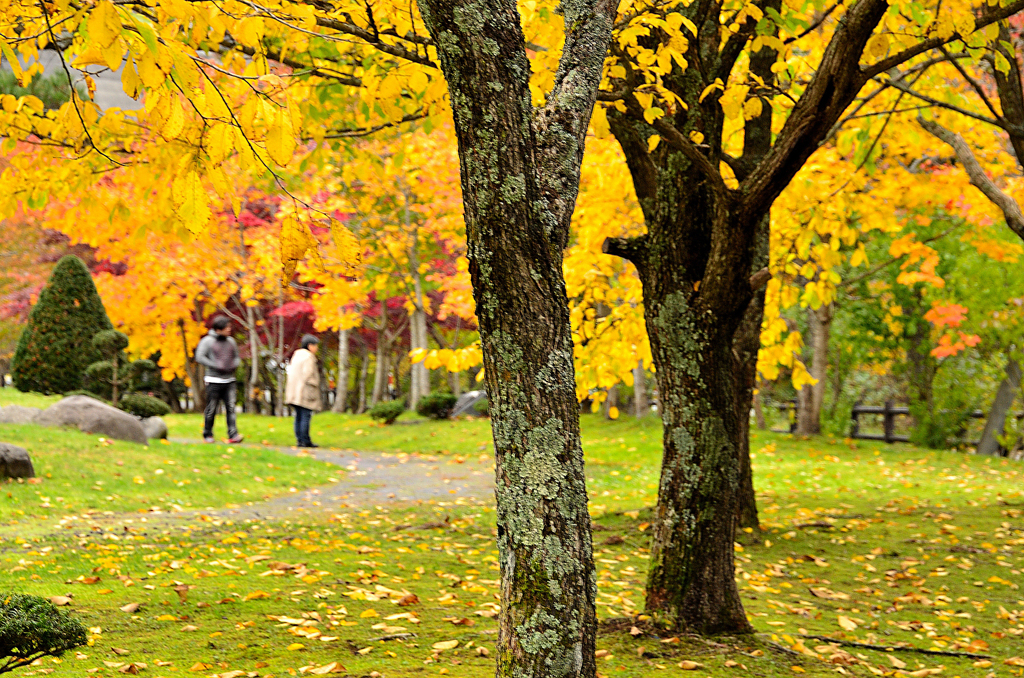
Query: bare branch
x=1009 y=206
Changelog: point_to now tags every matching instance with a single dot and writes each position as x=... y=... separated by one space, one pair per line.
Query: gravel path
x=374 y=479
x=371 y=479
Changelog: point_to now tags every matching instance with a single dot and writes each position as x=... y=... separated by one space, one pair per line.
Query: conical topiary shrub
x=56 y=346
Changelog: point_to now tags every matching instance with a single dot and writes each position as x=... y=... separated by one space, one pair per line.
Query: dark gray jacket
x=219 y=355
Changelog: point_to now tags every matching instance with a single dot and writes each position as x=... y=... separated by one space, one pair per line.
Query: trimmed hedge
x=142 y=405
x=436 y=405
x=387 y=412
x=56 y=346
x=32 y=627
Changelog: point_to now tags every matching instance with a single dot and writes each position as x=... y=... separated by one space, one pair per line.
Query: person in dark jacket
x=219 y=354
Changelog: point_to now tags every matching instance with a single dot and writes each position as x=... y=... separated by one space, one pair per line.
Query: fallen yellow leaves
x=333 y=667
x=295 y=646
x=688 y=665
x=445 y=645
x=60 y=600
x=847 y=623
x=256 y=595
x=821 y=592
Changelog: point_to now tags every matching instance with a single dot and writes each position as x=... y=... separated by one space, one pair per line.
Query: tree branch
x=834 y=85
x=932 y=43
x=760 y=279
x=903 y=87
x=561 y=124
x=630 y=249
x=1009 y=206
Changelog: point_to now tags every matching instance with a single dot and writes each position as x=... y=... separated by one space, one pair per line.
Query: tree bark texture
x=1005 y=395
x=341 y=387
x=695 y=263
x=746 y=344
x=520 y=177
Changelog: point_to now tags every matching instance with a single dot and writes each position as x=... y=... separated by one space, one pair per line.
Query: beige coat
x=303 y=385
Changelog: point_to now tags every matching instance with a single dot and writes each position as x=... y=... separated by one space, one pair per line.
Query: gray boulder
x=154 y=427
x=15 y=462
x=91 y=416
x=17 y=414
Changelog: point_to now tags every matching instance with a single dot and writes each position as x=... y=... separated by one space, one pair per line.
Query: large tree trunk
x=1005 y=396
x=341 y=388
x=812 y=396
x=691 y=578
x=691 y=316
x=641 y=406
x=520 y=178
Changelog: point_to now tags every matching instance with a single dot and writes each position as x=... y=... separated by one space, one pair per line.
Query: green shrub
x=142 y=405
x=387 y=412
x=53 y=90
x=31 y=627
x=56 y=345
x=436 y=405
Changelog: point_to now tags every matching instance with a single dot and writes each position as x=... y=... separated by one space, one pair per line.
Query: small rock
x=15 y=462
x=154 y=427
x=17 y=414
x=92 y=416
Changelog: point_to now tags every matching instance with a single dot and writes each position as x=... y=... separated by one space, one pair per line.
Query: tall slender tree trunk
x=641 y=405
x=419 y=376
x=812 y=396
x=520 y=177
x=921 y=365
x=364 y=370
x=380 y=376
x=758 y=403
x=254 y=359
x=611 y=401
x=193 y=371
x=1005 y=395
x=341 y=388
x=280 y=357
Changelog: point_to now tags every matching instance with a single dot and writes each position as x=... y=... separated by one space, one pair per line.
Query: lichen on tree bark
x=520 y=176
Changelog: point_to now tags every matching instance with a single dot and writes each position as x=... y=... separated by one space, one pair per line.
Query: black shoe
x=308 y=445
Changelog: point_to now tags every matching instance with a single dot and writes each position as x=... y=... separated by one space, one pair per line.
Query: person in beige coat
x=302 y=390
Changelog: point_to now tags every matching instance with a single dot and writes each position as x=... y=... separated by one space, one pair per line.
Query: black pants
x=303 y=415
x=217 y=393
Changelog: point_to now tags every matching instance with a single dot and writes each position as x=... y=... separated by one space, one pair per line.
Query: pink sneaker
x=236 y=439
x=209 y=439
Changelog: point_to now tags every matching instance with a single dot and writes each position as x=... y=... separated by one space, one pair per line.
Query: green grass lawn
x=868 y=543
x=12 y=396
x=81 y=475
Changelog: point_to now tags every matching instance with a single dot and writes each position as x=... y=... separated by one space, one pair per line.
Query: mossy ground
x=882 y=545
